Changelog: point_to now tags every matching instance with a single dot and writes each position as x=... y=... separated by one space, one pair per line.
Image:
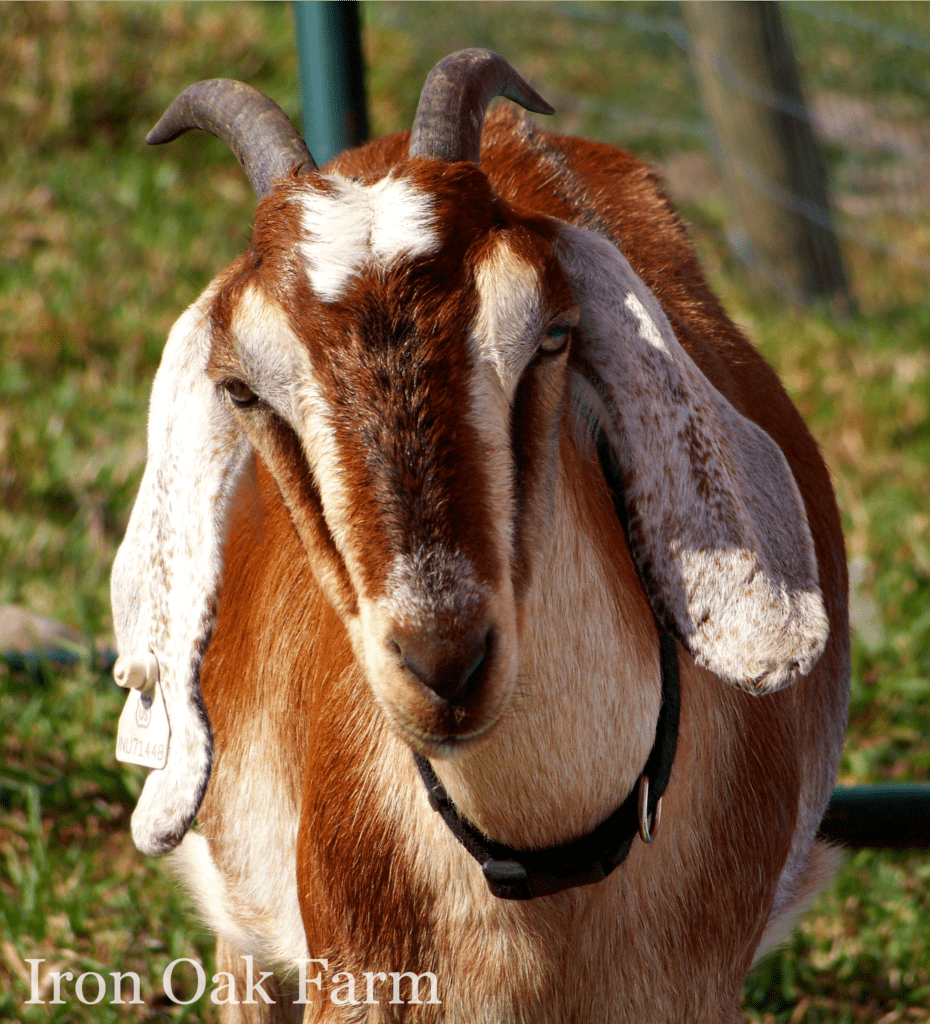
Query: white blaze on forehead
x=351 y=225
x=510 y=315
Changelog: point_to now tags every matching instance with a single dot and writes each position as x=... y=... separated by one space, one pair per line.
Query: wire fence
x=907 y=150
x=867 y=78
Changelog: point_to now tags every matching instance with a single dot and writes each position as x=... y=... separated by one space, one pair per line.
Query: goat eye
x=240 y=394
x=555 y=338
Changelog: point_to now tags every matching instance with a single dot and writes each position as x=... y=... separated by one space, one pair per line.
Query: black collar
x=522 y=874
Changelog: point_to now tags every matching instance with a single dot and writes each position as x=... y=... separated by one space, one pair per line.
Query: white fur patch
x=350 y=225
x=509 y=319
x=503 y=339
x=257 y=910
x=426 y=584
x=273 y=361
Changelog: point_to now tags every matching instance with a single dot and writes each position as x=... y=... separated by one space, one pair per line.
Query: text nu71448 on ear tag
x=143 y=731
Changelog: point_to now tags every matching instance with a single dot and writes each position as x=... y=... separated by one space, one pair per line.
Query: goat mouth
x=447 y=729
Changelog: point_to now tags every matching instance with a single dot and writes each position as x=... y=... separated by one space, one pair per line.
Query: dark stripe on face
x=398 y=387
x=393 y=362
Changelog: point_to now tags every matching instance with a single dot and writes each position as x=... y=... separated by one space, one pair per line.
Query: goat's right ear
x=716 y=522
x=168 y=569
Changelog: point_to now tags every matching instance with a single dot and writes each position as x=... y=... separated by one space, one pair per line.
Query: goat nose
x=451 y=670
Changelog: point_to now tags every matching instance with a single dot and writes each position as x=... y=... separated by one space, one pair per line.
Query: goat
x=463 y=493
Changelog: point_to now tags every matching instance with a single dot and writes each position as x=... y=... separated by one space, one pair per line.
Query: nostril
x=452 y=670
x=475 y=667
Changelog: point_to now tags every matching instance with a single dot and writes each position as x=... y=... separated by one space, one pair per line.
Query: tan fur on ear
x=167 y=571
x=717 y=525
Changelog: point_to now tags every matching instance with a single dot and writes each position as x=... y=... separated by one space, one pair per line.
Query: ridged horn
x=454 y=99
x=254 y=127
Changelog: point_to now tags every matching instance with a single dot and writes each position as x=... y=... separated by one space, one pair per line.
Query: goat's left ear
x=716 y=522
x=167 y=572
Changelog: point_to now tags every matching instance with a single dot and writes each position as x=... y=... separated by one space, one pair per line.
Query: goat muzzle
x=452 y=672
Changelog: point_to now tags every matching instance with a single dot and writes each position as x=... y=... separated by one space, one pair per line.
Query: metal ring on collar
x=646 y=833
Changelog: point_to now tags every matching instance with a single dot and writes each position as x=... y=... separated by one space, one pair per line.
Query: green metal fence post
x=894 y=816
x=332 y=82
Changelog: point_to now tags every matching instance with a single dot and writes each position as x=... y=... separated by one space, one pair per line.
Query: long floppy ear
x=167 y=571
x=716 y=522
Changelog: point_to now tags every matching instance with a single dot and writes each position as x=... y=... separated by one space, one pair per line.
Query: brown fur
x=382 y=886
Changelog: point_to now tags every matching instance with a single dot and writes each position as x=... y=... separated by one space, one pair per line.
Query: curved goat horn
x=254 y=127
x=450 y=115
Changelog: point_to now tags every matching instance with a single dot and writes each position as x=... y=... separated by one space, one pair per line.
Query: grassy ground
x=104 y=243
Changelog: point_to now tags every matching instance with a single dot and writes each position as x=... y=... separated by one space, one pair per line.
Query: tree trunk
x=771 y=163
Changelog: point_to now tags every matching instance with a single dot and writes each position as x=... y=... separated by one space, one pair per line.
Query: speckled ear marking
x=717 y=525
x=167 y=570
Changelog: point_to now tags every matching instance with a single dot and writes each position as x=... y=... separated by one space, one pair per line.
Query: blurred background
x=104 y=242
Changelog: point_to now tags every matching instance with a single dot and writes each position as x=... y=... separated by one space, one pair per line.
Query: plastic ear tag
x=143 y=732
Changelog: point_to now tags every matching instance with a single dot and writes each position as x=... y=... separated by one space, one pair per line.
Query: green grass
x=105 y=242
x=73 y=890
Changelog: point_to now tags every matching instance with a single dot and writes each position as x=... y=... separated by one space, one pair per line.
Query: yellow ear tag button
x=143 y=731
